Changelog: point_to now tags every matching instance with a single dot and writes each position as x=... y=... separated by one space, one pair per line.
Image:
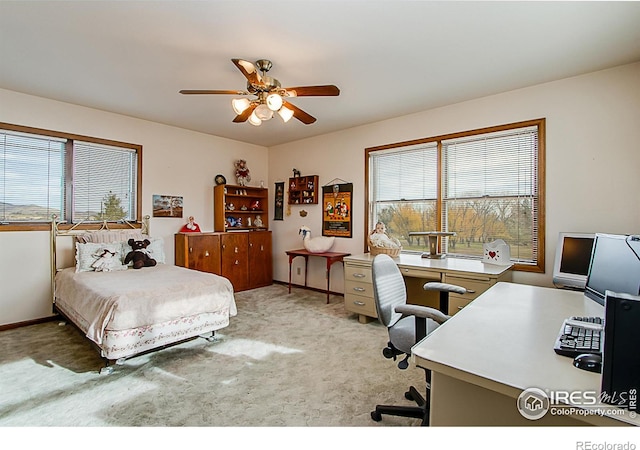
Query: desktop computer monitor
x=571 y=266
x=614 y=266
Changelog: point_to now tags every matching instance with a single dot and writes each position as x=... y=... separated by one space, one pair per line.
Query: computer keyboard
x=580 y=335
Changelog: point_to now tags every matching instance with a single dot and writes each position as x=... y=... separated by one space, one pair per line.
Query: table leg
x=290 y=260
x=306 y=266
x=329 y=262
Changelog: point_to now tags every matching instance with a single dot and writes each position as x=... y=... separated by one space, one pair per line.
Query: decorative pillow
x=93 y=257
x=155 y=249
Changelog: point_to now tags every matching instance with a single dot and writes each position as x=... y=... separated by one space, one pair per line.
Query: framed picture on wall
x=279 y=202
x=336 y=217
x=167 y=206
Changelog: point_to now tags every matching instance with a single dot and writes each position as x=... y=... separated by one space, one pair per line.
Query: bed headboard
x=62 y=242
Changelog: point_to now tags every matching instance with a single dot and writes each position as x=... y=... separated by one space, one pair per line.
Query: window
x=482 y=185
x=76 y=178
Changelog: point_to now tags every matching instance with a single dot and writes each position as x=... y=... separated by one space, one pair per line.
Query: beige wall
x=175 y=162
x=592 y=170
x=593 y=160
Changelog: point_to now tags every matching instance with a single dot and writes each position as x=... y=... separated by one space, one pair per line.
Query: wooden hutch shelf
x=236 y=208
x=303 y=190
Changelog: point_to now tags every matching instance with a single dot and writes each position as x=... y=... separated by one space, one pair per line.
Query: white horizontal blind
x=104 y=182
x=408 y=173
x=404 y=189
x=31 y=177
x=490 y=190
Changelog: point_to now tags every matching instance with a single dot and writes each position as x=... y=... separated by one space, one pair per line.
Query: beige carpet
x=286 y=360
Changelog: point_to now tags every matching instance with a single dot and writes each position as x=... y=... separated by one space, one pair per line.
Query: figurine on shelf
x=255 y=205
x=258 y=222
x=296 y=173
x=242 y=172
x=190 y=227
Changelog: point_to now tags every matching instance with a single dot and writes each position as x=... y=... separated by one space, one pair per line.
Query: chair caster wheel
x=408 y=396
x=376 y=416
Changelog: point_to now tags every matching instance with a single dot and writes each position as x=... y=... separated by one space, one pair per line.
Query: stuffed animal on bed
x=139 y=255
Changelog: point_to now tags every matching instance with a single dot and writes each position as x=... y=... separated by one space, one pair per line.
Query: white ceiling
x=389 y=58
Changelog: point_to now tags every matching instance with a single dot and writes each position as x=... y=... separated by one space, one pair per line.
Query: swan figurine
x=318 y=244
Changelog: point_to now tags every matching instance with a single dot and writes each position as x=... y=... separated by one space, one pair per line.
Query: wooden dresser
x=242 y=257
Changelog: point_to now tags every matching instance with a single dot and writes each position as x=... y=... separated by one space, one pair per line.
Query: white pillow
x=155 y=250
x=109 y=236
x=87 y=256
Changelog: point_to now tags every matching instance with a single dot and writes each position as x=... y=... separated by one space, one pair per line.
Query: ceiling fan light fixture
x=240 y=105
x=263 y=112
x=285 y=114
x=274 y=102
x=254 y=120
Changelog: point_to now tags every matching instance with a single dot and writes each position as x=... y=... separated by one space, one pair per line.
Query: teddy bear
x=139 y=255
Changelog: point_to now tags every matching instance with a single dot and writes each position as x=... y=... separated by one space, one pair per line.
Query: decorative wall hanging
x=279 y=201
x=167 y=206
x=336 y=201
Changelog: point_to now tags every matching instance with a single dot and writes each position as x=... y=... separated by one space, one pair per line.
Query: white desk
x=474 y=275
x=501 y=344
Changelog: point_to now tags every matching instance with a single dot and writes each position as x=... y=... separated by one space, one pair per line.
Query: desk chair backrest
x=389 y=289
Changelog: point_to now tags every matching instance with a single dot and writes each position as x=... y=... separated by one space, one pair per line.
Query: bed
x=126 y=312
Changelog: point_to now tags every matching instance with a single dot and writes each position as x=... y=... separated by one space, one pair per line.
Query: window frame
x=539 y=265
x=46 y=225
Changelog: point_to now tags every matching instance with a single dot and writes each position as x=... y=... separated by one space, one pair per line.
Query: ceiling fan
x=270 y=96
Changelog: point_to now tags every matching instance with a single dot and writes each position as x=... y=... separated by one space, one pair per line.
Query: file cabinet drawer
x=426 y=275
x=358 y=288
x=474 y=287
x=360 y=304
x=456 y=304
x=357 y=273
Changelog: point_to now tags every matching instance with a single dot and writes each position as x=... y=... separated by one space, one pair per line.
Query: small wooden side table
x=330 y=257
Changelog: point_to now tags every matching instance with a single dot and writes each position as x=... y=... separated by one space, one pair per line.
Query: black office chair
x=407 y=325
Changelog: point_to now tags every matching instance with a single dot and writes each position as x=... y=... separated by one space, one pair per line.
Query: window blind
x=31 y=177
x=405 y=174
x=490 y=189
x=104 y=182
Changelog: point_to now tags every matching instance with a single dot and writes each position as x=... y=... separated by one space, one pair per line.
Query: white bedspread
x=132 y=298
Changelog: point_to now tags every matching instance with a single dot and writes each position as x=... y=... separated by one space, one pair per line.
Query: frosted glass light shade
x=263 y=112
x=274 y=102
x=254 y=120
x=240 y=105
x=285 y=113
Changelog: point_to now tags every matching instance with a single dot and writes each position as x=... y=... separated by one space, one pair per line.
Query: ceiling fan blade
x=249 y=71
x=311 y=91
x=300 y=114
x=209 y=91
x=245 y=114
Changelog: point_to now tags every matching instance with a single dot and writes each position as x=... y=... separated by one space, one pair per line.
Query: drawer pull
x=470 y=291
x=460 y=307
x=206 y=253
x=359 y=289
x=359 y=275
x=359 y=303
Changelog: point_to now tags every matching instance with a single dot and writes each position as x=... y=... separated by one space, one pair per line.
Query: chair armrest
x=422 y=311
x=443 y=287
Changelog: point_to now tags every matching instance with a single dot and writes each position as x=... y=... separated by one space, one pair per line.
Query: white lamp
x=263 y=112
x=285 y=113
x=254 y=120
x=240 y=105
x=274 y=102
